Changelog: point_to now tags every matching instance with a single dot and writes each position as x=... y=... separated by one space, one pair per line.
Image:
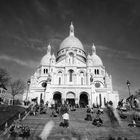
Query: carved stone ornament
x=44 y=84
x=91 y=79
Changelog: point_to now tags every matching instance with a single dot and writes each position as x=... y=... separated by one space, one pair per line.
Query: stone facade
x=72 y=76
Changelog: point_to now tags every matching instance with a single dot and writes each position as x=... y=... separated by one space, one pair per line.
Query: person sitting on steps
x=88 y=116
x=97 y=121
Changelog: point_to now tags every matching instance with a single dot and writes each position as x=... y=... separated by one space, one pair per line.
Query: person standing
x=65 y=117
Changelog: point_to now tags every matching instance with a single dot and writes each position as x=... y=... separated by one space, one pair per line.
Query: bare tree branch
x=17 y=87
x=137 y=93
x=4 y=77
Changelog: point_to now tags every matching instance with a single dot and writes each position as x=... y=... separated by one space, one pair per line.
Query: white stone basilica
x=72 y=76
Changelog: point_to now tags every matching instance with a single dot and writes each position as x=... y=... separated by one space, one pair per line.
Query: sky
x=28 y=26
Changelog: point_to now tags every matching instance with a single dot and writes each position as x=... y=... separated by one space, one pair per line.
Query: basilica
x=72 y=76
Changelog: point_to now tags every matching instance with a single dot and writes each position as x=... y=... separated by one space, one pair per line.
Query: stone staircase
x=79 y=129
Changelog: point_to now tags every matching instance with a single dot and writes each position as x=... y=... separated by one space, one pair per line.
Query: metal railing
x=18 y=115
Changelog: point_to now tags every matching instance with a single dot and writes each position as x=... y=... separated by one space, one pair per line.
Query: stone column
x=97 y=100
x=74 y=78
x=91 y=100
x=92 y=93
x=76 y=101
x=63 y=97
x=65 y=78
x=88 y=79
x=63 y=100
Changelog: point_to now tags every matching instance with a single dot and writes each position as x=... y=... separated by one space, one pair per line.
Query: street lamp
x=44 y=84
x=128 y=85
x=28 y=84
x=91 y=79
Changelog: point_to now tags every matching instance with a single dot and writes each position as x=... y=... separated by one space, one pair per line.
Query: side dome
x=96 y=60
x=71 y=41
x=46 y=58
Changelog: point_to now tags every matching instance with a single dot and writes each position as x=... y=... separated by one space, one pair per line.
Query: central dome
x=71 y=41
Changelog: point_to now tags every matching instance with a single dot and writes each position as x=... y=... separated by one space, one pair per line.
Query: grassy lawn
x=6 y=112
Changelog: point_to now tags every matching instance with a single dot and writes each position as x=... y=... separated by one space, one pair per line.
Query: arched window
x=70 y=75
x=46 y=70
x=82 y=82
x=60 y=72
x=81 y=73
x=59 y=80
x=95 y=71
x=71 y=58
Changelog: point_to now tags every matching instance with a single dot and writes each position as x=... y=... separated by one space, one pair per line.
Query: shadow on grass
x=8 y=114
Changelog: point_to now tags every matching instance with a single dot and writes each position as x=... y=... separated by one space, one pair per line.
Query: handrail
x=14 y=117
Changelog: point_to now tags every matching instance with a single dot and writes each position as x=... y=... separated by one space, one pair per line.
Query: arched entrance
x=70 y=99
x=57 y=98
x=83 y=102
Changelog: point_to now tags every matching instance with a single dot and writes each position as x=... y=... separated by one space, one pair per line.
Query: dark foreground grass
x=6 y=112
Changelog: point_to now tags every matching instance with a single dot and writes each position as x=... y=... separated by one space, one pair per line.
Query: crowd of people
x=130 y=107
x=19 y=130
x=63 y=112
x=55 y=110
x=98 y=112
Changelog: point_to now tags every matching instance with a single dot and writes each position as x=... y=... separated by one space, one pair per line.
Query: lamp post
x=128 y=85
x=92 y=89
x=28 y=84
x=91 y=79
x=45 y=83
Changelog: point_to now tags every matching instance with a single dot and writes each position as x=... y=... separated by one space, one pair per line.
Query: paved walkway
x=81 y=128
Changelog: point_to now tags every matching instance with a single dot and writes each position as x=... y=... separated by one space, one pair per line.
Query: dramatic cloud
x=27 y=27
x=28 y=63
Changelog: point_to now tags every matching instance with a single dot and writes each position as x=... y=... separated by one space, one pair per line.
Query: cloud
x=28 y=63
x=125 y=55
x=36 y=43
x=132 y=56
x=41 y=9
x=64 y=9
x=118 y=53
x=32 y=43
x=103 y=48
x=88 y=47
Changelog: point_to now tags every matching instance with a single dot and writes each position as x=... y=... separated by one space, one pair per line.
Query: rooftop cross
x=93 y=49
x=49 y=49
x=71 y=29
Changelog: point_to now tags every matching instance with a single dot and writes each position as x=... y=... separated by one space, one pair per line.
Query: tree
x=137 y=93
x=4 y=77
x=17 y=87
